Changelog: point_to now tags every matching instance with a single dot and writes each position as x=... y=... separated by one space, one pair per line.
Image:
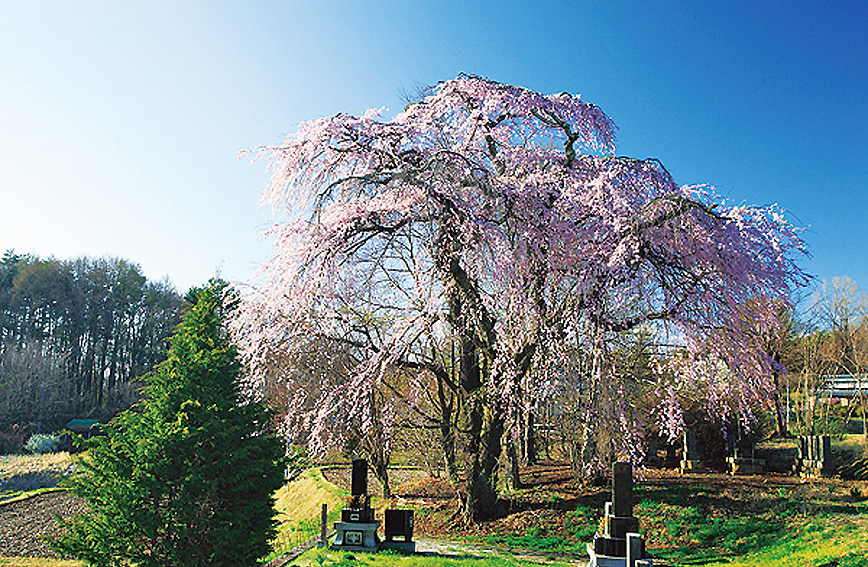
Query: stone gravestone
x=743 y=460
x=619 y=544
x=690 y=459
x=399 y=524
x=357 y=530
x=815 y=456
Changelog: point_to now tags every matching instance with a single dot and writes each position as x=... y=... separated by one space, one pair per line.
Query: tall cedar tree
x=187 y=476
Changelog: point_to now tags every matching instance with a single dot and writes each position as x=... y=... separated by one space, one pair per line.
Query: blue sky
x=121 y=123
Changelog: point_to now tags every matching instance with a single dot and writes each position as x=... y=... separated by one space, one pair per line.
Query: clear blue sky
x=121 y=122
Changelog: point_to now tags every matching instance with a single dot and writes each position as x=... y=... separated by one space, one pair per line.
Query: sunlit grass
x=833 y=540
x=329 y=558
x=299 y=508
x=38 y=562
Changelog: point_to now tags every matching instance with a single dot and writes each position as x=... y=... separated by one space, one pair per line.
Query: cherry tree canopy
x=502 y=218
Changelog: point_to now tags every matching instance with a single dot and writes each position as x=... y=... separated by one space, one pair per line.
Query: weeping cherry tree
x=477 y=238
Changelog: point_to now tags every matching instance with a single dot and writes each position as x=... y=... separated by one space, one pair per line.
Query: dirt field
x=23 y=523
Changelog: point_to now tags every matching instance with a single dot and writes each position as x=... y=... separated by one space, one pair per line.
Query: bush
x=12 y=441
x=40 y=444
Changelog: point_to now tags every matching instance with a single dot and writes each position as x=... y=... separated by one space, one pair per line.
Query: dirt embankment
x=405 y=483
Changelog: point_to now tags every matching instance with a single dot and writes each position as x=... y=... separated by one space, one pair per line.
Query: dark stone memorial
x=690 y=459
x=399 y=531
x=619 y=544
x=743 y=460
x=357 y=530
x=815 y=456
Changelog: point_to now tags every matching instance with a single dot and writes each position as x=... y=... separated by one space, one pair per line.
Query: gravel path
x=24 y=522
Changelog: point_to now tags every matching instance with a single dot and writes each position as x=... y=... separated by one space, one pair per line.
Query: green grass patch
x=699 y=527
x=14 y=496
x=695 y=524
x=582 y=523
x=579 y=528
x=299 y=506
x=554 y=544
x=329 y=558
x=838 y=541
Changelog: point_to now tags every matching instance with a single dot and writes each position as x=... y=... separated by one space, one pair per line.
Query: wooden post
x=323 y=527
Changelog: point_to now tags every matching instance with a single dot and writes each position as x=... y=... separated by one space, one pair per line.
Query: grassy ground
x=22 y=474
x=757 y=524
x=37 y=562
x=299 y=505
x=329 y=558
x=691 y=520
x=709 y=519
x=832 y=541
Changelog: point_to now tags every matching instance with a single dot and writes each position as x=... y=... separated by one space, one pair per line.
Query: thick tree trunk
x=485 y=430
x=513 y=478
x=447 y=429
x=447 y=441
x=381 y=471
x=474 y=329
x=480 y=497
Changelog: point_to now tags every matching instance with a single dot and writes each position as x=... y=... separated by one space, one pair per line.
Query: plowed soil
x=24 y=523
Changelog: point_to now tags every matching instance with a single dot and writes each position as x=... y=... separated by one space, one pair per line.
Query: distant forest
x=76 y=336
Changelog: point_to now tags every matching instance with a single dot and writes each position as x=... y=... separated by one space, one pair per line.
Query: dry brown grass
x=38 y=562
x=18 y=465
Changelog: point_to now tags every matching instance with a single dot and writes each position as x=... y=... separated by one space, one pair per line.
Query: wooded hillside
x=75 y=335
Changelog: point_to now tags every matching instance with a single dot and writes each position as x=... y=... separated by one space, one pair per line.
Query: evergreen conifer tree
x=185 y=478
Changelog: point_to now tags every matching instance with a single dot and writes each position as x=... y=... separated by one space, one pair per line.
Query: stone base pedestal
x=634 y=556
x=613 y=540
x=598 y=560
x=402 y=546
x=356 y=536
x=691 y=466
x=740 y=465
x=808 y=468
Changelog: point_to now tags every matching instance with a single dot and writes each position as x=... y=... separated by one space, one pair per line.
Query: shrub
x=40 y=443
x=12 y=441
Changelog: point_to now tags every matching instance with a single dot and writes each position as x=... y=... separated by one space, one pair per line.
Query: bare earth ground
x=23 y=523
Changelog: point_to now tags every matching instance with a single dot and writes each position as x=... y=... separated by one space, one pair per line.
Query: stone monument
x=357 y=530
x=399 y=531
x=619 y=544
x=690 y=458
x=743 y=460
x=815 y=456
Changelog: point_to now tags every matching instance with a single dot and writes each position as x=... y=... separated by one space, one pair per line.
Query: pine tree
x=185 y=478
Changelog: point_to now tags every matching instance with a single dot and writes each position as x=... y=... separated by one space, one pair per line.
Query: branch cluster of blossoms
x=516 y=202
